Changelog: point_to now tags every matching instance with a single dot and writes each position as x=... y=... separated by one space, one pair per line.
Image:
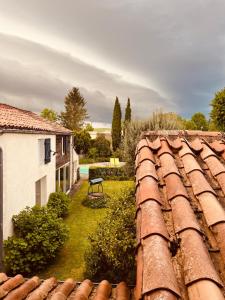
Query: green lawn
x=81 y=221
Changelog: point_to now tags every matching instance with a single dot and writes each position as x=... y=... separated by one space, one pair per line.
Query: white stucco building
x=36 y=159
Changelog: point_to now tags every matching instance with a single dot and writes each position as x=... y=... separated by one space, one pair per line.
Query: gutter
x=1 y=209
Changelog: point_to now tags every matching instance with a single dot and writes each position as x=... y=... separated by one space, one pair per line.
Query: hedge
x=108 y=173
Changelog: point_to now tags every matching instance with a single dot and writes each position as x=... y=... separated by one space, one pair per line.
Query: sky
x=162 y=54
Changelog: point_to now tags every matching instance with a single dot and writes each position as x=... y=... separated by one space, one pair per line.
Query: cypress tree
x=116 y=125
x=128 y=111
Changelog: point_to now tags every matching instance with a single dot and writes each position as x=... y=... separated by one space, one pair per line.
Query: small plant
x=59 y=202
x=39 y=235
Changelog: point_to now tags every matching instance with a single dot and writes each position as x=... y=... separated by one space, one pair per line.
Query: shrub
x=98 y=202
x=108 y=173
x=157 y=121
x=59 y=202
x=111 y=254
x=39 y=235
x=102 y=146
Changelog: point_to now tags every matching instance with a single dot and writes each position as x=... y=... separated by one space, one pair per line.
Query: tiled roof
x=17 y=288
x=180 y=188
x=12 y=118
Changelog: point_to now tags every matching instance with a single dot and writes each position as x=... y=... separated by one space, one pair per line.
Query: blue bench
x=95 y=181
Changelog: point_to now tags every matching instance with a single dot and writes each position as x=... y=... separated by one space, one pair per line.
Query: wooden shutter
x=47 y=150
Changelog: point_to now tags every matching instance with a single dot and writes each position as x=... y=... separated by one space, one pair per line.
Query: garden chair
x=112 y=161
x=116 y=162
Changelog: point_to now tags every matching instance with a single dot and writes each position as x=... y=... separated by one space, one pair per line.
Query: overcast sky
x=160 y=53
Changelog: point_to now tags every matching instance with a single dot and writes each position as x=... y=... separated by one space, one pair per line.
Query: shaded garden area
x=81 y=222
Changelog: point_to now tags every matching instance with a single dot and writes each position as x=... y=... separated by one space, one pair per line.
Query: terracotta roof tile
x=122 y=291
x=218 y=146
x=12 y=118
x=175 y=144
x=192 y=216
x=185 y=150
x=146 y=169
x=168 y=166
x=139 y=273
x=145 y=154
x=43 y=290
x=10 y=284
x=215 y=166
x=103 y=291
x=158 y=272
x=196 y=145
x=183 y=215
x=3 y=277
x=197 y=262
x=164 y=148
x=175 y=187
x=199 y=183
x=207 y=152
x=17 y=288
x=154 y=145
x=143 y=143
x=152 y=220
x=148 y=190
x=23 y=290
x=213 y=210
x=190 y=164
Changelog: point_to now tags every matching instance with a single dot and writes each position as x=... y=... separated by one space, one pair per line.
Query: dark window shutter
x=47 y=150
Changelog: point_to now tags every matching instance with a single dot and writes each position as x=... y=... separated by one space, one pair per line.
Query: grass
x=81 y=221
x=100 y=130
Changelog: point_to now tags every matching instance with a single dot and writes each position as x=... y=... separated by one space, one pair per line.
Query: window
x=41 y=151
x=47 y=150
x=63 y=179
x=64 y=145
x=40 y=191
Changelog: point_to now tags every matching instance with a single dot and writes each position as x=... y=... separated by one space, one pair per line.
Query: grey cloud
x=44 y=76
x=176 y=46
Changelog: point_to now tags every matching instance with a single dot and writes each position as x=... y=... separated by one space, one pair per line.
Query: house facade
x=36 y=159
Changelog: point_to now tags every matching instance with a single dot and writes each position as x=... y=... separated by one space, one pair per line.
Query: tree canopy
x=218 y=110
x=116 y=125
x=75 y=110
x=49 y=114
x=82 y=141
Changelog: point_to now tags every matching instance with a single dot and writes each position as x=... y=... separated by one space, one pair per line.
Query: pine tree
x=75 y=110
x=116 y=125
x=128 y=111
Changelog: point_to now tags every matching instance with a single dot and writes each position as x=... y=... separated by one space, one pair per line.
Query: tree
x=200 y=121
x=116 y=125
x=102 y=145
x=82 y=141
x=75 y=110
x=128 y=111
x=89 y=127
x=218 y=110
x=49 y=114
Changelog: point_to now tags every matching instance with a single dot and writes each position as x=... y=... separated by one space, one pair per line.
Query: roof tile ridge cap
x=207 y=145
x=169 y=151
x=185 y=141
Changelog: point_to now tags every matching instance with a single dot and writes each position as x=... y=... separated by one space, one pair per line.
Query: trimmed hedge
x=108 y=173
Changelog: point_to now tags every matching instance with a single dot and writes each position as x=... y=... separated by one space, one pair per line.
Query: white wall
x=22 y=167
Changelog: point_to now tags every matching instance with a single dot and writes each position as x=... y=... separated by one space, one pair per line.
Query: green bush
x=108 y=173
x=100 y=202
x=111 y=254
x=59 y=202
x=39 y=234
